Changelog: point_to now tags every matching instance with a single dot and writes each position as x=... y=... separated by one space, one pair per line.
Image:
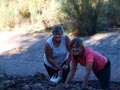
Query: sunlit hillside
x=27 y=14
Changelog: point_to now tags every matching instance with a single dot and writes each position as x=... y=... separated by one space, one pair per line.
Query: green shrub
x=83 y=14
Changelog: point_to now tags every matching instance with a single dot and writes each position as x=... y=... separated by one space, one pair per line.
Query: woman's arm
x=67 y=40
x=87 y=74
x=48 y=53
x=72 y=72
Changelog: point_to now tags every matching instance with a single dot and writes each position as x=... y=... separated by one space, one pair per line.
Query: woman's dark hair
x=57 y=28
x=76 y=41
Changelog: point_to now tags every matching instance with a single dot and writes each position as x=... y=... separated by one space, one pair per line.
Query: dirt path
x=21 y=53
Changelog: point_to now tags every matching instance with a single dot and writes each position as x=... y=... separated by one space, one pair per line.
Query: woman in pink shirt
x=92 y=60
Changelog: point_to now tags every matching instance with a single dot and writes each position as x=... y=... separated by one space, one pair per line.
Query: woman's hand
x=72 y=72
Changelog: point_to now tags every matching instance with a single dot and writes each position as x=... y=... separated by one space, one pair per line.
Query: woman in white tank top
x=57 y=54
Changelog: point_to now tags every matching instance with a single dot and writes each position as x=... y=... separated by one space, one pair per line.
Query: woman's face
x=57 y=36
x=77 y=50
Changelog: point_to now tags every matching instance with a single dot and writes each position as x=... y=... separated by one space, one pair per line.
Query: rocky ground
x=21 y=57
x=41 y=82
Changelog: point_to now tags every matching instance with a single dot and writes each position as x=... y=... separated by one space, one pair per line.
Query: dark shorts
x=52 y=71
x=104 y=75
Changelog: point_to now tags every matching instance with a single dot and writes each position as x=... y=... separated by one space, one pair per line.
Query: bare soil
x=41 y=82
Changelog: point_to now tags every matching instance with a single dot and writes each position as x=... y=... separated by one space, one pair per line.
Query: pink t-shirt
x=90 y=55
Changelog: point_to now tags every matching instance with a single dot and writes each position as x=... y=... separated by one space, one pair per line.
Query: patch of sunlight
x=94 y=39
x=105 y=0
x=16 y=41
x=15 y=51
x=116 y=40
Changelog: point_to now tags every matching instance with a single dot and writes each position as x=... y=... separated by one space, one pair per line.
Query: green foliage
x=89 y=16
x=83 y=14
x=115 y=4
x=116 y=11
x=109 y=16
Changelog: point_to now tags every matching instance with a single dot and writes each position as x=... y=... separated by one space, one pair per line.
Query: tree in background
x=90 y=16
x=116 y=11
x=84 y=15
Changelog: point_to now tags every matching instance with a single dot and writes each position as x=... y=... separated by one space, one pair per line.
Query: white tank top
x=59 y=54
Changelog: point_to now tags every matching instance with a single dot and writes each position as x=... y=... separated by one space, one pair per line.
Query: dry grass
x=31 y=14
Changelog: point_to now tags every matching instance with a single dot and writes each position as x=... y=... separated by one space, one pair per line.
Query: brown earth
x=41 y=82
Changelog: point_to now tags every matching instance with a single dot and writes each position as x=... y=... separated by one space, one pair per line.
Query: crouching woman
x=91 y=60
